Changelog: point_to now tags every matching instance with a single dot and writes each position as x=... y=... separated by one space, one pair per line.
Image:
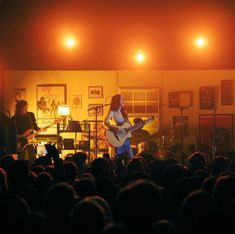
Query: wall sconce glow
x=140 y=57
x=63 y=110
x=200 y=42
x=69 y=42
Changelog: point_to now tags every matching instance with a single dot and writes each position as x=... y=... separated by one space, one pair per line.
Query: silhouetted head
x=100 y=168
x=21 y=107
x=18 y=172
x=139 y=203
x=87 y=217
x=59 y=200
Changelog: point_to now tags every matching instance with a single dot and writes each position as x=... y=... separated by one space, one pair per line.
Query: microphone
x=94 y=108
x=98 y=106
x=107 y=104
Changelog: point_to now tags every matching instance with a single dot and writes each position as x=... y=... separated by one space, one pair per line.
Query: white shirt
x=116 y=116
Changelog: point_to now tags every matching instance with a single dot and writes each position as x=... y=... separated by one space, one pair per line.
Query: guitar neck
x=139 y=125
x=45 y=128
x=134 y=127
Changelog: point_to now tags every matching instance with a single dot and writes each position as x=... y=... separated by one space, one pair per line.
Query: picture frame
x=20 y=94
x=180 y=99
x=49 y=96
x=227 y=93
x=221 y=125
x=95 y=92
x=207 y=97
x=92 y=109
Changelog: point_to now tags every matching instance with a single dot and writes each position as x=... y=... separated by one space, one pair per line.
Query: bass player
x=25 y=122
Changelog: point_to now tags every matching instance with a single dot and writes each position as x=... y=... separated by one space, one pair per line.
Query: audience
x=145 y=195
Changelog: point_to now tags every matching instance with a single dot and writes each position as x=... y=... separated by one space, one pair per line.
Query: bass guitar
x=117 y=139
x=28 y=136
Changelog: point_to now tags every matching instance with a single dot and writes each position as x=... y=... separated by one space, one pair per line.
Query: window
x=141 y=101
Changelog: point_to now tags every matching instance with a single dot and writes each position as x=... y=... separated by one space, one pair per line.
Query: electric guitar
x=117 y=139
x=28 y=136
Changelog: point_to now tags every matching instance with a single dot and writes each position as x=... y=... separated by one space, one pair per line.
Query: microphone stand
x=182 y=134
x=96 y=108
x=213 y=145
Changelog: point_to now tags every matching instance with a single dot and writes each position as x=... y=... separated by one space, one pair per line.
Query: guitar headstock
x=58 y=120
x=149 y=119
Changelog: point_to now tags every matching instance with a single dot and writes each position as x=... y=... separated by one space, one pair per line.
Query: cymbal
x=164 y=132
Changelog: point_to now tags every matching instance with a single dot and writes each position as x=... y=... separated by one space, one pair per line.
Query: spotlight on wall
x=70 y=42
x=200 y=42
x=140 y=57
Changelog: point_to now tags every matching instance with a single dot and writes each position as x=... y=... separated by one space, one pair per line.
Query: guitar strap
x=30 y=121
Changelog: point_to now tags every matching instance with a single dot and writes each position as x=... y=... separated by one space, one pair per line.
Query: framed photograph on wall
x=180 y=99
x=49 y=96
x=227 y=95
x=221 y=125
x=94 y=109
x=207 y=98
x=20 y=94
x=95 y=92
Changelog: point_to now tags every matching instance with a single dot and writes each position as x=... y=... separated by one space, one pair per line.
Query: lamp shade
x=63 y=110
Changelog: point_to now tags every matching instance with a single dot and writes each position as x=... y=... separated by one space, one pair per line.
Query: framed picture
x=227 y=96
x=49 y=96
x=77 y=101
x=93 y=125
x=221 y=126
x=207 y=98
x=180 y=99
x=20 y=94
x=95 y=92
x=180 y=124
x=95 y=109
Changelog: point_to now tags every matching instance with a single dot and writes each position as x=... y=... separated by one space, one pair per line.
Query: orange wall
x=168 y=81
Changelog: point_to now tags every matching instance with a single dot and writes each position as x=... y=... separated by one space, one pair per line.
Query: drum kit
x=165 y=140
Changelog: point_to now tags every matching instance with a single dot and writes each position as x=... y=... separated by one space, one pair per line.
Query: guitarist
x=24 y=121
x=118 y=114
